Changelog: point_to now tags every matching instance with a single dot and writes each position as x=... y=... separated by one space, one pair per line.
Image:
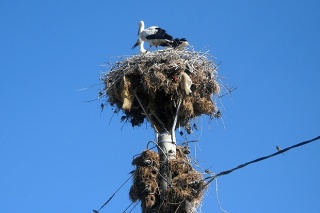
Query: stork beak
x=136 y=44
x=139 y=30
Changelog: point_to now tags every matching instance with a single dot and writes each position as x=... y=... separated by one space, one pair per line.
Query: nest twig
x=185 y=192
x=160 y=79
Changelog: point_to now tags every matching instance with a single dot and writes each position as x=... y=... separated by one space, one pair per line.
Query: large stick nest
x=152 y=85
x=184 y=193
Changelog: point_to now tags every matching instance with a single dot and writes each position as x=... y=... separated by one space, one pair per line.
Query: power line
x=211 y=178
x=125 y=211
x=95 y=211
x=214 y=176
x=133 y=207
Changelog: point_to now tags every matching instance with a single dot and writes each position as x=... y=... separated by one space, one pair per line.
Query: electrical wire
x=211 y=178
x=97 y=211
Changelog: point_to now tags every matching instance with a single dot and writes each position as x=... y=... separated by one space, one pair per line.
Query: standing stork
x=154 y=35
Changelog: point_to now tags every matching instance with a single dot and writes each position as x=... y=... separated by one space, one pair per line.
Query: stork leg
x=149 y=48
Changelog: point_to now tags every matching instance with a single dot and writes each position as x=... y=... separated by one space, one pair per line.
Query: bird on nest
x=157 y=36
x=154 y=35
x=177 y=43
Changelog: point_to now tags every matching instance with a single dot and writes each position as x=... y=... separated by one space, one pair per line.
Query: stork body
x=154 y=35
x=177 y=43
x=180 y=43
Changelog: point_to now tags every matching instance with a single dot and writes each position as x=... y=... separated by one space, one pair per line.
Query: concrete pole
x=167 y=151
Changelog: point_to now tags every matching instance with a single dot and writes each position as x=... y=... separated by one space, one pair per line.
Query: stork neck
x=141 y=27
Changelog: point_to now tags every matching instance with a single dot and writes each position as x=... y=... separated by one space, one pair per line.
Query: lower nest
x=185 y=192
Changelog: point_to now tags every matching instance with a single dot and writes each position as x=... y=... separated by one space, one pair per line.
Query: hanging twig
x=230 y=90
x=89 y=87
x=163 y=151
x=154 y=127
x=160 y=122
x=173 y=137
x=217 y=196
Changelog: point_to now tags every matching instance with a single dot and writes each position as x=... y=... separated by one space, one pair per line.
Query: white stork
x=154 y=35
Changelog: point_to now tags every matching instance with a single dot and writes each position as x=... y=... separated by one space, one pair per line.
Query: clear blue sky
x=57 y=154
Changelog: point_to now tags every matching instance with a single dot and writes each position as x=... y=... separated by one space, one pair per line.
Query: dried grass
x=159 y=80
x=184 y=194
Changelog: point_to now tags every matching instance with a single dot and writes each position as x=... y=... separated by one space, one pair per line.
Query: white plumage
x=154 y=35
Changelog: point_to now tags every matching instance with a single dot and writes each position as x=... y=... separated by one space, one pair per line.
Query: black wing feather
x=160 y=34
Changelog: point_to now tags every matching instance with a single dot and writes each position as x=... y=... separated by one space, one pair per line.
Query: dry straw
x=185 y=191
x=151 y=85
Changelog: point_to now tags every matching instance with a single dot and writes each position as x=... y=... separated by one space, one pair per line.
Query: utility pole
x=167 y=151
x=168 y=89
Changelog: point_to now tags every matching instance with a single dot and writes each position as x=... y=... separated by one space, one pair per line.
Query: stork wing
x=176 y=43
x=159 y=34
x=154 y=36
x=172 y=43
x=148 y=31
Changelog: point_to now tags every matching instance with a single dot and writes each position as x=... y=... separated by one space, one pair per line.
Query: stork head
x=141 y=24
x=180 y=44
x=141 y=27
